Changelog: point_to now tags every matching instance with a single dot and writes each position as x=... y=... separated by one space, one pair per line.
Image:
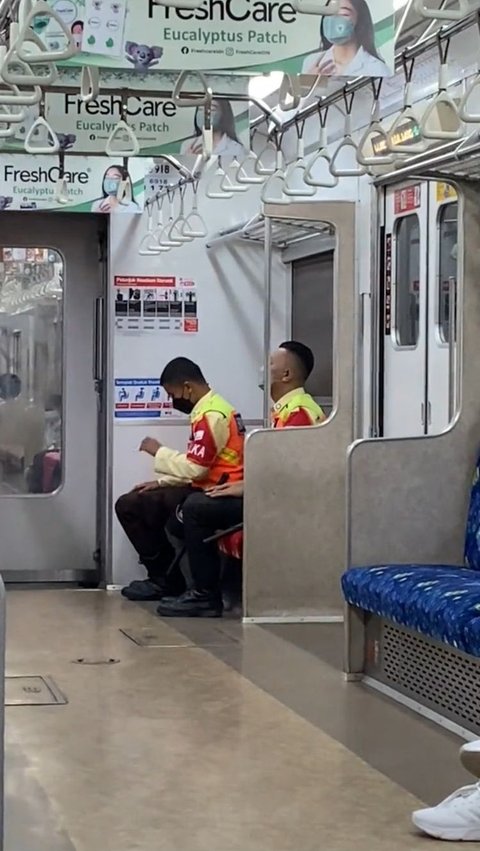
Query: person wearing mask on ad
x=225 y=142
x=221 y=507
x=214 y=454
x=347 y=45
x=114 y=176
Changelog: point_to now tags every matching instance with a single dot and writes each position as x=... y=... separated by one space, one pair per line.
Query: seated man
x=222 y=506
x=214 y=454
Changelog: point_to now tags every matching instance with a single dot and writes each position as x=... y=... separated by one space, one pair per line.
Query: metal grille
x=435 y=675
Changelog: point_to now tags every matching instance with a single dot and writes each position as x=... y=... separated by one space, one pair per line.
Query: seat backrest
x=472 y=535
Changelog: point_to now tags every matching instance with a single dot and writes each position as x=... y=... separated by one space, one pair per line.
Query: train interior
x=340 y=211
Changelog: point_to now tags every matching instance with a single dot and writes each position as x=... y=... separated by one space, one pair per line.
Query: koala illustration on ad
x=142 y=56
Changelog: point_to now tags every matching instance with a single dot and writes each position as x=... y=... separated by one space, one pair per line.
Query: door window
x=447 y=266
x=31 y=370
x=407 y=281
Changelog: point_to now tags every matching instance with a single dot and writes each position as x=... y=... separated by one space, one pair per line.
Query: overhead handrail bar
x=122 y=129
x=298 y=166
x=321 y=156
x=407 y=114
x=314 y=7
x=52 y=145
x=89 y=83
x=278 y=177
x=347 y=142
x=442 y=102
x=194 y=225
x=375 y=127
x=452 y=14
x=42 y=8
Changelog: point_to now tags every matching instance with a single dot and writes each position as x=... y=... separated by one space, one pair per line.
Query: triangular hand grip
x=463 y=113
x=295 y=173
x=52 y=145
x=89 y=83
x=214 y=188
x=262 y=167
x=194 y=225
x=246 y=171
x=455 y=13
x=229 y=183
x=189 y=99
x=10 y=116
x=399 y=147
x=16 y=72
x=365 y=153
x=443 y=109
x=318 y=171
x=276 y=181
x=347 y=144
x=122 y=134
x=38 y=57
x=314 y=7
x=42 y=8
x=6 y=130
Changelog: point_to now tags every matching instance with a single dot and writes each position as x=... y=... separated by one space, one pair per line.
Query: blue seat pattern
x=440 y=601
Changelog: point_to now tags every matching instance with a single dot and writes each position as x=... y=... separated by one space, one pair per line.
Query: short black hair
x=303 y=354
x=179 y=370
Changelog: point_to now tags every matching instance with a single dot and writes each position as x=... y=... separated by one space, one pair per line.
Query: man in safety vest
x=214 y=455
x=222 y=506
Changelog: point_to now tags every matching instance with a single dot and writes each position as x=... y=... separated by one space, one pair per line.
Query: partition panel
x=296 y=478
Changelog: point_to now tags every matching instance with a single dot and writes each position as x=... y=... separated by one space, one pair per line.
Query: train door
x=406 y=298
x=51 y=419
x=420 y=279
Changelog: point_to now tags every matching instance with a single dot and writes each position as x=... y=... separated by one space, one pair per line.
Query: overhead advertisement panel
x=228 y=35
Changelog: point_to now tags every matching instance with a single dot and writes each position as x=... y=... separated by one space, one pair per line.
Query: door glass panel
x=407 y=289
x=31 y=370
x=447 y=265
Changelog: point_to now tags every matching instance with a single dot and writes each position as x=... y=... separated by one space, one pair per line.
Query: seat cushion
x=232 y=545
x=440 y=601
x=472 y=633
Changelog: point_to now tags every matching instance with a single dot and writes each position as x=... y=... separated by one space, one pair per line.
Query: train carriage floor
x=204 y=735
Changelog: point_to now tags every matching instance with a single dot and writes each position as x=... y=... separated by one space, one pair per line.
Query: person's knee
x=125 y=504
x=194 y=507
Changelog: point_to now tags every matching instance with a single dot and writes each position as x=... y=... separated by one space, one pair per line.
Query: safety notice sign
x=141 y=398
x=155 y=304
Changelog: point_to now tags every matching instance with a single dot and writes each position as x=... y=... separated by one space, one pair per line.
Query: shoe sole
x=169 y=614
x=449 y=834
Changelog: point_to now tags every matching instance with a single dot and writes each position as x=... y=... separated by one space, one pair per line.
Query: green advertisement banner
x=251 y=35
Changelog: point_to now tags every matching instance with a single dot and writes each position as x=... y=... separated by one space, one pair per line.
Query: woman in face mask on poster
x=109 y=203
x=347 y=47
x=225 y=142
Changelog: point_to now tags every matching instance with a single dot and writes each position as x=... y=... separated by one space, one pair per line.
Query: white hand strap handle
x=463 y=113
x=89 y=84
x=315 y=7
x=444 y=110
x=229 y=181
x=346 y=143
x=297 y=167
x=157 y=233
x=214 y=188
x=122 y=135
x=6 y=130
x=246 y=171
x=146 y=247
x=272 y=190
x=261 y=166
x=194 y=225
x=365 y=152
x=290 y=93
x=407 y=114
x=32 y=56
x=176 y=231
x=321 y=158
x=11 y=117
x=15 y=72
x=459 y=11
x=182 y=99
x=32 y=147
x=42 y=8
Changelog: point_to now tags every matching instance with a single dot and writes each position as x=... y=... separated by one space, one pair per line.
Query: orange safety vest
x=298 y=402
x=228 y=464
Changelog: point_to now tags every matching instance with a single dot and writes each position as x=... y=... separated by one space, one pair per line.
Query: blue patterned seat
x=441 y=601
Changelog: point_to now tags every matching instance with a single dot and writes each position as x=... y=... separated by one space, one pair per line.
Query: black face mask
x=185 y=406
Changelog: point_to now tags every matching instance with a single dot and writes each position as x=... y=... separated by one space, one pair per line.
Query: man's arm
x=210 y=436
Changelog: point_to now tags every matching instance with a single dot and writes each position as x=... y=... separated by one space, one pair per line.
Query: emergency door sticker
x=407 y=199
x=246 y=35
x=141 y=398
x=155 y=304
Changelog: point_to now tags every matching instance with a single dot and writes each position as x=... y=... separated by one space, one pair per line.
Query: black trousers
x=202 y=517
x=143 y=517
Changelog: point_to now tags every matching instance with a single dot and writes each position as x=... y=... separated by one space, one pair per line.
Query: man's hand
x=234 y=489
x=150 y=446
x=146 y=486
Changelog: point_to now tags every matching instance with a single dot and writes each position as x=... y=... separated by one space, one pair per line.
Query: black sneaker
x=143 y=589
x=192 y=604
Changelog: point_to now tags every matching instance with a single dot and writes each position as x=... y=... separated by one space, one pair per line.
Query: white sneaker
x=457 y=818
x=470 y=757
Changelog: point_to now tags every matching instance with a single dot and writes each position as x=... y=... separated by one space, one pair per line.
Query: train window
x=447 y=265
x=31 y=373
x=407 y=280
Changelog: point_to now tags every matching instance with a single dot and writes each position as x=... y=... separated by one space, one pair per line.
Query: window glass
x=407 y=280
x=447 y=265
x=31 y=343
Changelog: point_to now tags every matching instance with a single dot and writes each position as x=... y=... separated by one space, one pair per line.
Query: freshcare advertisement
x=160 y=125
x=30 y=183
x=251 y=35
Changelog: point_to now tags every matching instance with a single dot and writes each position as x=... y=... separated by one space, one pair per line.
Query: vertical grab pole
x=267 y=321
x=452 y=339
x=2 y=711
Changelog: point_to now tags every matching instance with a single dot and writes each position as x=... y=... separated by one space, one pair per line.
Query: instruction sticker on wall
x=141 y=398
x=155 y=305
